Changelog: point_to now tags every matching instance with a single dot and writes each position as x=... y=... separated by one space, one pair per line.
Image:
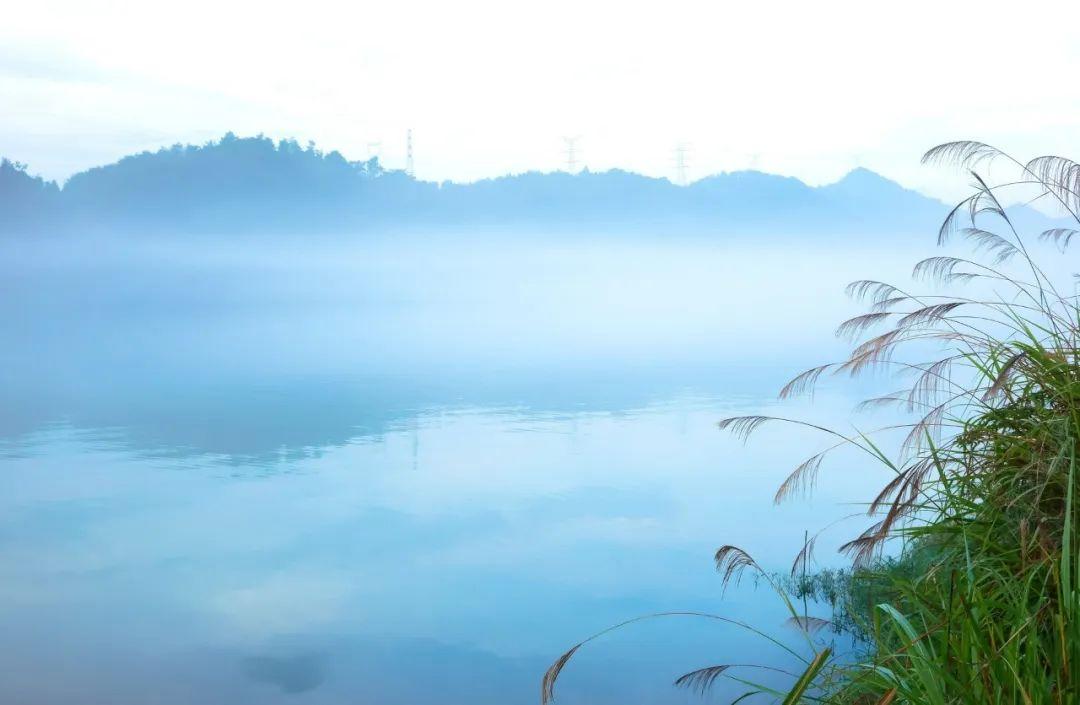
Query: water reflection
x=302 y=505
x=291 y=674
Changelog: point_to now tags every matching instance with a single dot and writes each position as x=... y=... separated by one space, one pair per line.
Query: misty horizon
x=583 y=168
x=248 y=184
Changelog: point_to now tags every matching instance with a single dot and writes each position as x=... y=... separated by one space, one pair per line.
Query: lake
x=408 y=471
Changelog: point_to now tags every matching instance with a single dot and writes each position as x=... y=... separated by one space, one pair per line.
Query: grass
x=965 y=587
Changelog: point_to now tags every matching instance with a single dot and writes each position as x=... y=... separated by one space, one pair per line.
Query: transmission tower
x=681 y=166
x=572 y=152
x=408 y=154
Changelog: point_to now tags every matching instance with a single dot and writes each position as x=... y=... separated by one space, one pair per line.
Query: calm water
x=367 y=475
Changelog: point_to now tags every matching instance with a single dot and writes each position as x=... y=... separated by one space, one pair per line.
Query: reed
x=965 y=586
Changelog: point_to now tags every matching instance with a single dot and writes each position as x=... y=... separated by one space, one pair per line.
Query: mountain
x=25 y=199
x=259 y=186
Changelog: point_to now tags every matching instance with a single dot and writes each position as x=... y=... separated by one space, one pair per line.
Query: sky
x=808 y=89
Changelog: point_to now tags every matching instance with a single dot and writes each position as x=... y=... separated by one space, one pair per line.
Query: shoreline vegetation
x=965 y=588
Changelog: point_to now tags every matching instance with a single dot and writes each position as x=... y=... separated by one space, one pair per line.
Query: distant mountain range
x=256 y=185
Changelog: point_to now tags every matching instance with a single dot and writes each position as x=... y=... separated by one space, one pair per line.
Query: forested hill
x=257 y=185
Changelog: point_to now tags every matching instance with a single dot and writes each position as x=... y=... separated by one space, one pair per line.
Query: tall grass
x=966 y=584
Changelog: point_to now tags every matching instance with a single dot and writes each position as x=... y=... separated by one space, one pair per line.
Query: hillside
x=257 y=185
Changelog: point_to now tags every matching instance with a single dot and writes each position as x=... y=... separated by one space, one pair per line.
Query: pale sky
x=809 y=89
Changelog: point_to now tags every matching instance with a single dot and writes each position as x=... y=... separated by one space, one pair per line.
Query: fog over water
x=416 y=468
